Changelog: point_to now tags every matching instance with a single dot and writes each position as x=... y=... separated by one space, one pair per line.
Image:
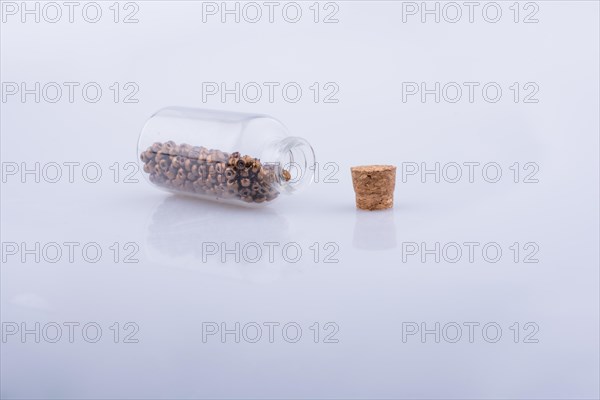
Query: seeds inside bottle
x=196 y=169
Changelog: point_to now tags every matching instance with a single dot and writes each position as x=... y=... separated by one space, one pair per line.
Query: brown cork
x=374 y=186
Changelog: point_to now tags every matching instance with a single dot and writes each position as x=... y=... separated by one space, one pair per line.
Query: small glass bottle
x=224 y=156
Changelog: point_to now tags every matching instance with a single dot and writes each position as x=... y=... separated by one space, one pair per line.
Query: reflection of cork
x=374 y=186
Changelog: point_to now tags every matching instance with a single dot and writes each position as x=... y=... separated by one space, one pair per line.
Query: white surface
x=370 y=292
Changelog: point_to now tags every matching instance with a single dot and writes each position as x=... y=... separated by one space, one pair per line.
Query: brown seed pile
x=196 y=169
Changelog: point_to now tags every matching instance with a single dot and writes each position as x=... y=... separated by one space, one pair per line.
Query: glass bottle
x=224 y=156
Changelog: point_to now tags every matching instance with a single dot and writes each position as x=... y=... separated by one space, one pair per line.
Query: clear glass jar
x=224 y=156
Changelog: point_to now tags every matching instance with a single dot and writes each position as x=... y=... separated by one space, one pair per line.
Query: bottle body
x=224 y=156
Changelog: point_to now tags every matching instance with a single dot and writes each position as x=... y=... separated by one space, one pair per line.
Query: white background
x=371 y=293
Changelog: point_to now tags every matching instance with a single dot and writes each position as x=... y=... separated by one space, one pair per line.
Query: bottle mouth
x=297 y=161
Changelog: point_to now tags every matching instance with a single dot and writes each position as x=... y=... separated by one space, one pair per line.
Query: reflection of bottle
x=375 y=231
x=210 y=239
x=226 y=156
x=180 y=226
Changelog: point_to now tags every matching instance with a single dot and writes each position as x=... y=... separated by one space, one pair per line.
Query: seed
x=286 y=175
x=219 y=156
x=245 y=182
x=248 y=160
x=229 y=173
x=233 y=159
x=169 y=148
x=232 y=184
x=193 y=154
x=178 y=161
x=155 y=148
x=256 y=165
x=171 y=173
x=184 y=149
x=203 y=155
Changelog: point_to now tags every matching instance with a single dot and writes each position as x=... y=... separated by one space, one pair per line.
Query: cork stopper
x=374 y=186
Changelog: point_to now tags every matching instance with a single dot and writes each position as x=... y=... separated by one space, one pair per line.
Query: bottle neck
x=295 y=160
